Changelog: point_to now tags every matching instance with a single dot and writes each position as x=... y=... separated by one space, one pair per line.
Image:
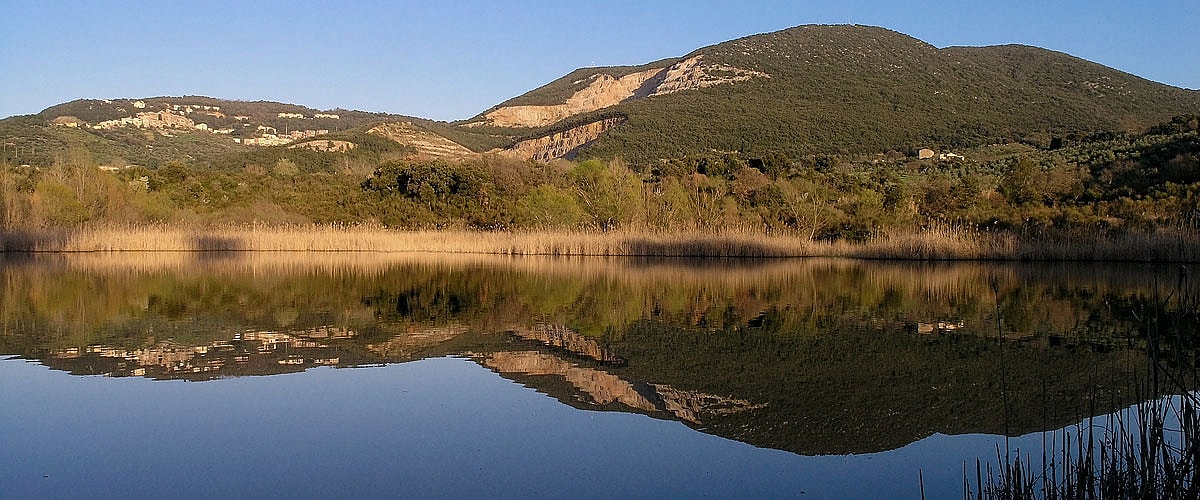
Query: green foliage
x=31 y=141
x=431 y=193
x=549 y=207
x=285 y=168
x=478 y=140
x=608 y=193
x=56 y=203
x=857 y=89
x=1084 y=187
x=369 y=151
x=1181 y=124
x=1019 y=183
x=432 y=181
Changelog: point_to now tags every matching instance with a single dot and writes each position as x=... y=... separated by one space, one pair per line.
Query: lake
x=293 y=375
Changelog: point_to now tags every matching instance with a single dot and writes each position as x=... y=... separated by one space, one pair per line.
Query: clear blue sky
x=449 y=60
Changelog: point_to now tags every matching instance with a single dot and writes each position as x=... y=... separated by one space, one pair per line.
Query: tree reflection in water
x=811 y=356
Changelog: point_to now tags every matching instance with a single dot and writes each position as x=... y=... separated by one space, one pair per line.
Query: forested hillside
x=826 y=133
x=1073 y=188
x=858 y=89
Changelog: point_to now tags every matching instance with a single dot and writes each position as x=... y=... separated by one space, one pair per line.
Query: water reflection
x=810 y=356
x=248 y=353
x=590 y=387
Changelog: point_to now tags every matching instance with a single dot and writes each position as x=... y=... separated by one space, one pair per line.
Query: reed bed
x=1150 y=450
x=334 y=238
x=939 y=242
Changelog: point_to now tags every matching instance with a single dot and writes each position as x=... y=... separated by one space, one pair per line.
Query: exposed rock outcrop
x=426 y=143
x=692 y=73
x=68 y=121
x=602 y=92
x=563 y=144
x=606 y=90
x=328 y=146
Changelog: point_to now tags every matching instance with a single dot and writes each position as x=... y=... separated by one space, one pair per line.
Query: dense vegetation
x=1047 y=147
x=857 y=89
x=29 y=140
x=1073 y=188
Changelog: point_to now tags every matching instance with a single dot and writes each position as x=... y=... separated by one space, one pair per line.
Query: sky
x=450 y=60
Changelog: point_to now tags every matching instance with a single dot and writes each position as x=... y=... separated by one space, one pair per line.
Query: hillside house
x=111 y=124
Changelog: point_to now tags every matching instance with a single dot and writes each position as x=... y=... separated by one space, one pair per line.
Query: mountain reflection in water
x=810 y=356
x=591 y=387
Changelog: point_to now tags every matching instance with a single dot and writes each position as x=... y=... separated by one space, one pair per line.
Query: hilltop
x=154 y=131
x=818 y=133
x=802 y=91
x=830 y=89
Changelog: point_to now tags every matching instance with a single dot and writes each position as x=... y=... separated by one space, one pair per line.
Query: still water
x=360 y=375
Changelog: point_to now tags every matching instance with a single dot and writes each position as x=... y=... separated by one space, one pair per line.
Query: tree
x=9 y=198
x=55 y=205
x=773 y=164
x=1019 y=182
x=548 y=206
x=805 y=212
x=705 y=194
x=610 y=194
x=285 y=168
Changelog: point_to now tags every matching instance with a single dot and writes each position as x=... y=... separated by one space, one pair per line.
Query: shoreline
x=933 y=244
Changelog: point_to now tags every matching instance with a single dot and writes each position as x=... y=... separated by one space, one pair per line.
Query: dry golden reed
x=940 y=242
x=334 y=238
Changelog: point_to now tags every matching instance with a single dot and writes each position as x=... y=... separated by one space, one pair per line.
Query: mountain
x=808 y=90
x=154 y=131
x=827 y=89
x=218 y=113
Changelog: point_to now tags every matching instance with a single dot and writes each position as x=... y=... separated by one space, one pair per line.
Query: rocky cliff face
x=561 y=144
x=692 y=73
x=602 y=92
x=606 y=90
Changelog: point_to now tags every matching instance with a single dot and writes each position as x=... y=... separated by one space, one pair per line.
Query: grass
x=943 y=242
x=1151 y=450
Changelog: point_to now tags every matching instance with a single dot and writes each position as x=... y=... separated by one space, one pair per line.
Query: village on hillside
x=189 y=117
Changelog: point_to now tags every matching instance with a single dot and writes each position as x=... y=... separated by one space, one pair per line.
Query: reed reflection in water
x=816 y=357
